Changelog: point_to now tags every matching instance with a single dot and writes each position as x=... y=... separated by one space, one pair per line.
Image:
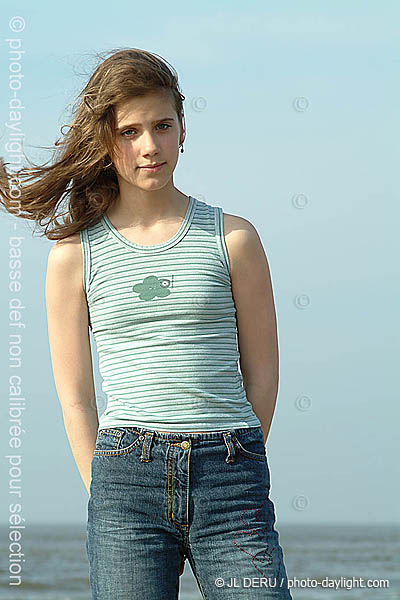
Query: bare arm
x=67 y=320
x=256 y=319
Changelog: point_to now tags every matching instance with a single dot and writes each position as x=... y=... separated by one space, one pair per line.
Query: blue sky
x=336 y=245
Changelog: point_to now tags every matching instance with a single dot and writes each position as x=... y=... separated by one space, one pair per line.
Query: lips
x=152 y=166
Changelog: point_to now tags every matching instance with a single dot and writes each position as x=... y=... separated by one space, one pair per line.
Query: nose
x=149 y=145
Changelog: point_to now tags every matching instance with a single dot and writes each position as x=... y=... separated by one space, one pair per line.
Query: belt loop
x=231 y=448
x=148 y=438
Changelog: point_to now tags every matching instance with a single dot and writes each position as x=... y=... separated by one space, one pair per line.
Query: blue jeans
x=155 y=497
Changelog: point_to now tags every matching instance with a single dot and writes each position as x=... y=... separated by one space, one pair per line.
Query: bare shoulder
x=65 y=258
x=241 y=238
x=238 y=226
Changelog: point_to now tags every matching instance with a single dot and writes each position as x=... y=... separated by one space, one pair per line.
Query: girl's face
x=147 y=131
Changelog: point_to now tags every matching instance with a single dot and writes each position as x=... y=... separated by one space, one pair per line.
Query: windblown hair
x=82 y=175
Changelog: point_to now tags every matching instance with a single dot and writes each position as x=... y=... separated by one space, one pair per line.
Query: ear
x=183 y=131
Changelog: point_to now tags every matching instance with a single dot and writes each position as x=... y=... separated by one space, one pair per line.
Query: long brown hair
x=82 y=175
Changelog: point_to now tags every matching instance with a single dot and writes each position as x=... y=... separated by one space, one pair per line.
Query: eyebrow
x=119 y=129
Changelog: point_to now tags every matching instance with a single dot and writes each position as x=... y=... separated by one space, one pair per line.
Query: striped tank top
x=164 y=323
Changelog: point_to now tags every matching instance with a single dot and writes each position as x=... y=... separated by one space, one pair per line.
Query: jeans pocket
x=250 y=444
x=117 y=441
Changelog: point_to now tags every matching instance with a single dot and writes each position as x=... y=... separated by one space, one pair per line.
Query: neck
x=135 y=207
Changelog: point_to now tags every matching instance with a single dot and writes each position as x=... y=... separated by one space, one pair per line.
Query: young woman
x=176 y=292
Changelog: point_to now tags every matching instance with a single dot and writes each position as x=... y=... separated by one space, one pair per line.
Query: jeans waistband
x=178 y=435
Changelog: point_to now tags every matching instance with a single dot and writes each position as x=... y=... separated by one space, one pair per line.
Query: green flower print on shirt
x=151 y=287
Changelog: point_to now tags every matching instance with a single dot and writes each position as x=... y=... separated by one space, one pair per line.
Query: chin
x=150 y=185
